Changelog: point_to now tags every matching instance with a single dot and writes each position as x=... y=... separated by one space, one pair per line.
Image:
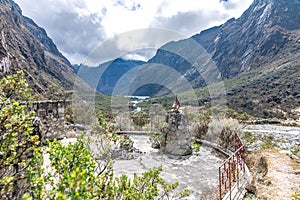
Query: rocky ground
x=262 y=136
x=273 y=155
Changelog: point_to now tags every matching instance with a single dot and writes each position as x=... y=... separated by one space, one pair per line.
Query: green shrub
x=73 y=173
x=196 y=146
x=295 y=196
x=156 y=139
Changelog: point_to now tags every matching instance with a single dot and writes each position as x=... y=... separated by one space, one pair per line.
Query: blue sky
x=78 y=26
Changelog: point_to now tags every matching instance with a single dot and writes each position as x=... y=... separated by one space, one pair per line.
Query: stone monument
x=176 y=139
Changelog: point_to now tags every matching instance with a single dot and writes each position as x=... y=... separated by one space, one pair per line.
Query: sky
x=77 y=27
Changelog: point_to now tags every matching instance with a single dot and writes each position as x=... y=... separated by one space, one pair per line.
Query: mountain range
x=105 y=81
x=256 y=57
x=266 y=32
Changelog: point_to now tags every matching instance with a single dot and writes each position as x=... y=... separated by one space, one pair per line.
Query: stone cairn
x=176 y=138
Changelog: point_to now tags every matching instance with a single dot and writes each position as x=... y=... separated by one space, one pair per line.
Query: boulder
x=262 y=166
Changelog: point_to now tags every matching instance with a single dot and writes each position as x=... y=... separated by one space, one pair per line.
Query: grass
x=295 y=196
x=268 y=145
x=295 y=149
x=249 y=137
x=268 y=142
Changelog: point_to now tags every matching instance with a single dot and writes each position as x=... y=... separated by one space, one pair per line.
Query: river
x=198 y=172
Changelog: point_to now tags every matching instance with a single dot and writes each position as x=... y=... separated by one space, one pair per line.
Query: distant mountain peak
x=104 y=77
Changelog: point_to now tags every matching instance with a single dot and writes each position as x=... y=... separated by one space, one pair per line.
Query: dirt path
x=282 y=179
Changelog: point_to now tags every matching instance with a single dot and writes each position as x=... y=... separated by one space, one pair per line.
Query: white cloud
x=134 y=57
x=77 y=26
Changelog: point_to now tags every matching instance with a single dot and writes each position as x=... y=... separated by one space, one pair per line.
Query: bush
x=73 y=173
x=222 y=132
x=296 y=196
x=69 y=115
x=140 y=118
x=200 y=129
x=243 y=117
x=83 y=111
x=17 y=140
x=156 y=139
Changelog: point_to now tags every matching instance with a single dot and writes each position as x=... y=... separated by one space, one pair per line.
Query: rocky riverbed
x=283 y=137
x=197 y=172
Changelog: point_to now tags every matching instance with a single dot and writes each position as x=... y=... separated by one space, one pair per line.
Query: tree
x=17 y=141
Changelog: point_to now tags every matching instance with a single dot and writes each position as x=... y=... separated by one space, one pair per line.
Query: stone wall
x=176 y=136
x=49 y=118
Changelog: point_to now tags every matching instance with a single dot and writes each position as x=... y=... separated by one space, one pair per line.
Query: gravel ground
x=283 y=166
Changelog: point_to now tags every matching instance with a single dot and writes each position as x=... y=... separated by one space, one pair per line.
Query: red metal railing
x=231 y=168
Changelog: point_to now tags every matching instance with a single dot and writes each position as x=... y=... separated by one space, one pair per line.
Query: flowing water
x=198 y=172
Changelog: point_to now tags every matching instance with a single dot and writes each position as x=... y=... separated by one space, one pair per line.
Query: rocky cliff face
x=26 y=46
x=268 y=31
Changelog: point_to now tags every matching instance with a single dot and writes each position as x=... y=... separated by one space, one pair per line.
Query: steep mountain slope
x=271 y=92
x=26 y=46
x=257 y=56
x=267 y=31
x=105 y=77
